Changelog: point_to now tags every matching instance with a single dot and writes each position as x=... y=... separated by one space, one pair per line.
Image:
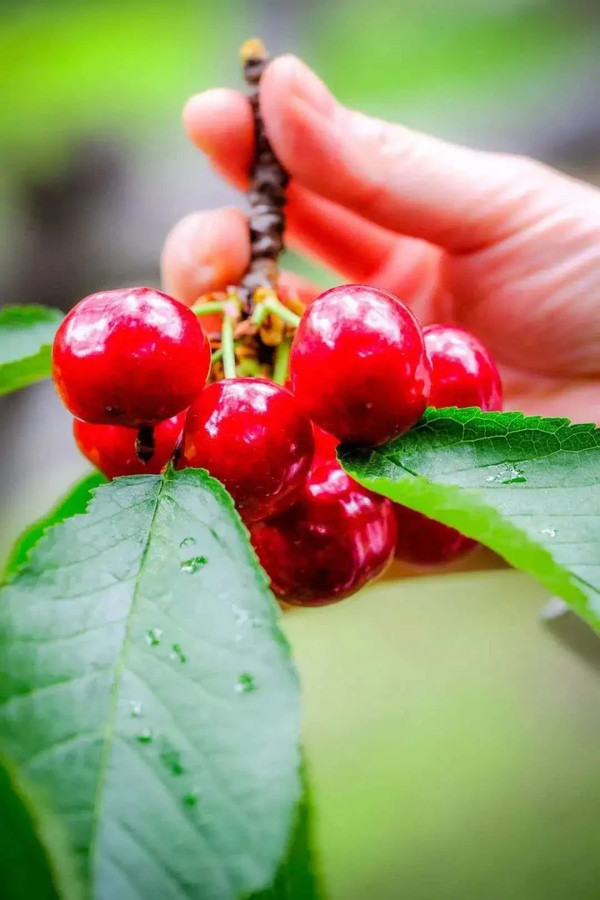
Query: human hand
x=500 y=245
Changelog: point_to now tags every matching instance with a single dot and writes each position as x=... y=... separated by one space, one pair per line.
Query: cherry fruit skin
x=463 y=372
x=358 y=365
x=251 y=435
x=325 y=444
x=131 y=356
x=335 y=539
x=111 y=448
x=423 y=542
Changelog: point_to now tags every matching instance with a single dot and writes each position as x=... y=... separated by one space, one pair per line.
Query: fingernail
x=304 y=85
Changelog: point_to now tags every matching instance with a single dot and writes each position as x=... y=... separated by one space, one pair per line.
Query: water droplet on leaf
x=549 y=532
x=193 y=565
x=153 y=636
x=145 y=736
x=507 y=474
x=513 y=476
x=245 y=684
x=177 y=653
x=136 y=709
x=190 y=800
x=242 y=616
x=187 y=541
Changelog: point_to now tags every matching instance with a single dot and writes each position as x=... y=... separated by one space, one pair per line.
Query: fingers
x=404 y=181
x=210 y=250
x=205 y=251
x=335 y=237
x=220 y=123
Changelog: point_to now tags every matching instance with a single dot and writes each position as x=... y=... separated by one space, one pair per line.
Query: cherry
x=463 y=372
x=112 y=448
x=251 y=435
x=424 y=542
x=336 y=538
x=358 y=365
x=132 y=356
x=325 y=444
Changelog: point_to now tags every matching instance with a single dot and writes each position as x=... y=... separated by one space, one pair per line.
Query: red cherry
x=463 y=372
x=325 y=444
x=424 y=542
x=132 y=356
x=358 y=365
x=251 y=435
x=336 y=538
x=111 y=448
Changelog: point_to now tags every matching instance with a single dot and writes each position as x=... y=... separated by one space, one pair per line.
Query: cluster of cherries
x=132 y=366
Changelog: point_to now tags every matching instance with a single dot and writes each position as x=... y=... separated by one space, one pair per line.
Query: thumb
x=408 y=182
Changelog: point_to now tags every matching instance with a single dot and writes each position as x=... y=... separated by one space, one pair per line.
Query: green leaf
x=72 y=504
x=529 y=488
x=34 y=861
x=297 y=876
x=26 y=335
x=149 y=694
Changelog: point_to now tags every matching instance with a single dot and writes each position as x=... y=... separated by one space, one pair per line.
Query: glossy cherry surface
x=463 y=372
x=358 y=365
x=129 y=357
x=336 y=538
x=325 y=444
x=111 y=448
x=422 y=541
x=251 y=435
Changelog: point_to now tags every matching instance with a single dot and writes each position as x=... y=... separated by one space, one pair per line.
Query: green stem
x=217 y=355
x=280 y=365
x=259 y=314
x=207 y=309
x=275 y=306
x=228 y=348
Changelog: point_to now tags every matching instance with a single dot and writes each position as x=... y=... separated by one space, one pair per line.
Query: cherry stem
x=275 y=307
x=228 y=348
x=207 y=309
x=281 y=362
x=144 y=443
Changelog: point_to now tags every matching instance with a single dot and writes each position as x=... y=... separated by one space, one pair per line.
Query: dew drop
x=513 y=476
x=190 y=800
x=177 y=653
x=245 y=684
x=241 y=616
x=549 y=532
x=193 y=565
x=507 y=474
x=187 y=541
x=153 y=636
x=172 y=760
x=554 y=608
x=145 y=736
x=136 y=709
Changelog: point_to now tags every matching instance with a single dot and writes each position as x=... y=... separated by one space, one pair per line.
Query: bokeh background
x=454 y=738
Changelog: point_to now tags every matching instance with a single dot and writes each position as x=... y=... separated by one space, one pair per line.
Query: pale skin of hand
x=500 y=245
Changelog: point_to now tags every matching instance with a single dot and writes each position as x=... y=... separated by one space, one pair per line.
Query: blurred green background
x=453 y=738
